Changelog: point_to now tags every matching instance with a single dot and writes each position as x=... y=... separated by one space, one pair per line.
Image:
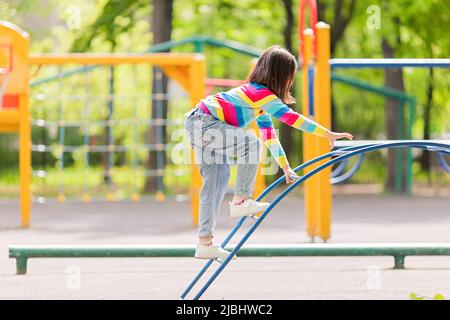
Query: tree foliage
x=413 y=28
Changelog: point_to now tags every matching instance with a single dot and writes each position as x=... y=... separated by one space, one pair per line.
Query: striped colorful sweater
x=252 y=101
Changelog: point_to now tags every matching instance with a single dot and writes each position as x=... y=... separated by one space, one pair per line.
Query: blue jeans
x=214 y=142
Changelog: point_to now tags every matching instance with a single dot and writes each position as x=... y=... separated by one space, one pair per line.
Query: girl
x=215 y=130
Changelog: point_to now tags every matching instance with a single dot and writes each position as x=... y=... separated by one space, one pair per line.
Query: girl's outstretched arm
x=276 y=108
x=270 y=139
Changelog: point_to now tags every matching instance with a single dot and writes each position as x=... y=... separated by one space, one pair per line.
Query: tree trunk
x=340 y=22
x=393 y=78
x=161 y=24
x=286 y=131
x=108 y=156
x=339 y=25
x=321 y=7
x=425 y=158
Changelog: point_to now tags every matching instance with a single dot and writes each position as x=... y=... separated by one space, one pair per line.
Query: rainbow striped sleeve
x=270 y=138
x=282 y=112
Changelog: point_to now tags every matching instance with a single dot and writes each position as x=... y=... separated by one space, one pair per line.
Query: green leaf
x=438 y=296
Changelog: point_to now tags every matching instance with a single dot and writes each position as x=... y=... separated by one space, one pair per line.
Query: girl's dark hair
x=276 y=70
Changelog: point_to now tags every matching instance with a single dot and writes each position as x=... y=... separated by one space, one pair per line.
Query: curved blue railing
x=342 y=154
x=442 y=162
x=336 y=178
x=339 y=168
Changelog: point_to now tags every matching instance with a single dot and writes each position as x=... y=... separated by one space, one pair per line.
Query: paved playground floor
x=362 y=218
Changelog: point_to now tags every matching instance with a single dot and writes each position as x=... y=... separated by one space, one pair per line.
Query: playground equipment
x=74 y=86
x=195 y=183
x=78 y=108
x=14 y=104
x=318 y=84
x=406 y=101
x=407 y=105
x=188 y=70
x=442 y=147
x=397 y=250
x=316 y=67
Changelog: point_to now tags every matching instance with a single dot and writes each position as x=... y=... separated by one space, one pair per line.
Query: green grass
x=75 y=181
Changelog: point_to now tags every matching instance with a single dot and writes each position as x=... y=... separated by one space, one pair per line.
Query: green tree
x=161 y=27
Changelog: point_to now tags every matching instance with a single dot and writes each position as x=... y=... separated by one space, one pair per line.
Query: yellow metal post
x=309 y=141
x=322 y=101
x=197 y=77
x=25 y=160
x=17 y=119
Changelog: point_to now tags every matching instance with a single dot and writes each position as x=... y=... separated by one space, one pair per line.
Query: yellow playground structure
x=188 y=70
x=14 y=103
x=318 y=195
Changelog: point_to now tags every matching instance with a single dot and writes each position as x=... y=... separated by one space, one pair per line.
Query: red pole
x=313 y=19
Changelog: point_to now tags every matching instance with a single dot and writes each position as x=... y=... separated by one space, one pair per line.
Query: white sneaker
x=211 y=252
x=247 y=208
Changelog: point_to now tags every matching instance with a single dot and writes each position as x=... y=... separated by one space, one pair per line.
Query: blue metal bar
x=442 y=162
x=270 y=188
x=261 y=196
x=110 y=135
x=362 y=149
x=349 y=173
x=380 y=90
x=440 y=156
x=311 y=90
x=445 y=152
x=389 y=63
x=339 y=169
x=62 y=134
x=86 y=115
x=160 y=154
x=135 y=156
x=438 y=150
x=208 y=264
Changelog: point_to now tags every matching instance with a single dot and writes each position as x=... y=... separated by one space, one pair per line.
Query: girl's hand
x=333 y=136
x=288 y=173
